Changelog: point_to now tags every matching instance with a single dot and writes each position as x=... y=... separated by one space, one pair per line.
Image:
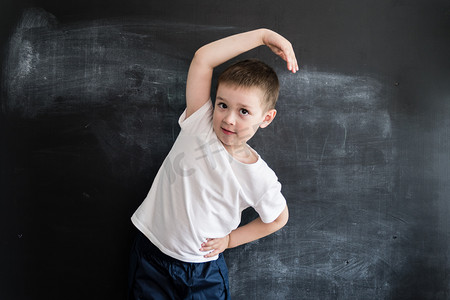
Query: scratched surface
x=361 y=145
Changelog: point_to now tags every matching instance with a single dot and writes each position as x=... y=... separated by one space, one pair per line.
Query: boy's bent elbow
x=201 y=57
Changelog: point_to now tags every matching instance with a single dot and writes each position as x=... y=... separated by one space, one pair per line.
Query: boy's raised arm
x=198 y=86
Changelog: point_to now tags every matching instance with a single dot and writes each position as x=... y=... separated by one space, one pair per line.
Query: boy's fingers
x=209 y=245
x=214 y=253
x=216 y=246
x=294 y=64
x=206 y=247
x=209 y=242
x=289 y=57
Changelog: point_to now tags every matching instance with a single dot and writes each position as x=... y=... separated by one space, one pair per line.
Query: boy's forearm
x=220 y=51
x=256 y=229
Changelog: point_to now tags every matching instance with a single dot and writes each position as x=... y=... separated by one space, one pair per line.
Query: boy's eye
x=222 y=105
x=244 y=112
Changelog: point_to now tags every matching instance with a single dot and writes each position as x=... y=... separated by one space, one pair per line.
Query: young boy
x=193 y=209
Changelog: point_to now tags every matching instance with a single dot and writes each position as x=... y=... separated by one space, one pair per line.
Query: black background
x=91 y=93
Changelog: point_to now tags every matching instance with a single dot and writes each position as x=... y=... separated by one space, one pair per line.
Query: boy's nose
x=229 y=119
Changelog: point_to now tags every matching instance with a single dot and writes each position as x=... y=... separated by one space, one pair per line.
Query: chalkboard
x=91 y=94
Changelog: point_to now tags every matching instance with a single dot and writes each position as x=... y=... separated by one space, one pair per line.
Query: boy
x=193 y=209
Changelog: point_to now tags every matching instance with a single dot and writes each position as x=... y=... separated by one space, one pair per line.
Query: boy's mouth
x=227 y=132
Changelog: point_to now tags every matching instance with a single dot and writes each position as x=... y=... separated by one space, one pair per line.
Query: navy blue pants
x=154 y=275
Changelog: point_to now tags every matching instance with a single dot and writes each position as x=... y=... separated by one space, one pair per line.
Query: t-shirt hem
x=142 y=228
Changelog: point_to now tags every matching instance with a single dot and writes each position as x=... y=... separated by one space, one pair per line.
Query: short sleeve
x=200 y=120
x=271 y=204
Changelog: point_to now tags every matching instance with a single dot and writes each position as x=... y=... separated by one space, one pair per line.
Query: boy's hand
x=216 y=246
x=281 y=47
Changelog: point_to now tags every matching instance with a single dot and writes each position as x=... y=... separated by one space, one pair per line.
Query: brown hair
x=253 y=73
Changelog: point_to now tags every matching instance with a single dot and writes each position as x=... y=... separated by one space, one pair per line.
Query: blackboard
x=91 y=93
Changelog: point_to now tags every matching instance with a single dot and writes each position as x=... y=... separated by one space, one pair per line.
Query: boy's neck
x=242 y=153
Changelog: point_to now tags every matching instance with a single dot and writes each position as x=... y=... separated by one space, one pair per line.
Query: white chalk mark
x=345 y=136
x=323 y=148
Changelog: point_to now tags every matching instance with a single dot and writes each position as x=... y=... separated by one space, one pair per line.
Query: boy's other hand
x=216 y=246
x=281 y=47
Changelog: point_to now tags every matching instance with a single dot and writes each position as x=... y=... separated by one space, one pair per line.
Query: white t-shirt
x=200 y=192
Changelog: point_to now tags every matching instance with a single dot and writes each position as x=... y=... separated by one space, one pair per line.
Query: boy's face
x=238 y=113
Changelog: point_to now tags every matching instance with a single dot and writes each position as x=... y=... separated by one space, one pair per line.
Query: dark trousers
x=154 y=275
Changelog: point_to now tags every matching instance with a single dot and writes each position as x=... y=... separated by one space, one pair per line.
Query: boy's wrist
x=263 y=33
x=229 y=240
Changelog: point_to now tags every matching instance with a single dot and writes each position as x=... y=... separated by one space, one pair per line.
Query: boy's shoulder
x=198 y=121
x=258 y=174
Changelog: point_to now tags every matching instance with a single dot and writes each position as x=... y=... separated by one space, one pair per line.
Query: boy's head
x=252 y=73
x=246 y=95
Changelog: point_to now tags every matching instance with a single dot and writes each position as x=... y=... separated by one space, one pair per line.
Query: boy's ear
x=268 y=118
